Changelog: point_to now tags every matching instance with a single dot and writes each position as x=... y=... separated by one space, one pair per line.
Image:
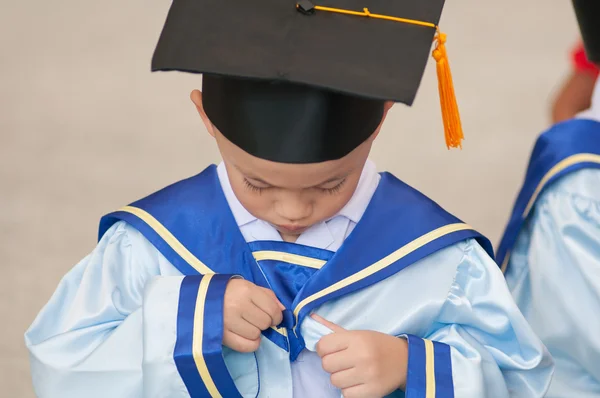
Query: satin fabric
x=553 y=269
x=88 y=340
x=186 y=366
x=554 y=276
x=116 y=315
x=287 y=278
x=565 y=148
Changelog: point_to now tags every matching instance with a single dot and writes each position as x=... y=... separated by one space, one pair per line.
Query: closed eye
x=253 y=188
x=335 y=189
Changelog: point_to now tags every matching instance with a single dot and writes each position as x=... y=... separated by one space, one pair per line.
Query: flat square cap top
x=272 y=40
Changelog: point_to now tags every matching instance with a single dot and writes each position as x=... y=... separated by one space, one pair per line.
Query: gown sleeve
x=480 y=345
x=124 y=323
x=466 y=336
x=555 y=278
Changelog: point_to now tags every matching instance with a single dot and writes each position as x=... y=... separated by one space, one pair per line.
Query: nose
x=293 y=207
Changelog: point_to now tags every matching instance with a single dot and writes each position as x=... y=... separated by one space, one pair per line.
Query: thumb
x=335 y=328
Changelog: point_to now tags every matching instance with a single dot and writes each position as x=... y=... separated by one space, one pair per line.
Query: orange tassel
x=450 y=115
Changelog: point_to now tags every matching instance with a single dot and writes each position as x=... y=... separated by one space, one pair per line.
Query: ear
x=387 y=106
x=196 y=97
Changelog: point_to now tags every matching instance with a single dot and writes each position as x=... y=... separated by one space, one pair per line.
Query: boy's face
x=290 y=197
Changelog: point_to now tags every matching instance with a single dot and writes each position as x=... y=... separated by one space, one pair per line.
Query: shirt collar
x=353 y=210
x=241 y=215
x=367 y=184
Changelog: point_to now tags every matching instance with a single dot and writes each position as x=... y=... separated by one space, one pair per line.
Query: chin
x=291 y=232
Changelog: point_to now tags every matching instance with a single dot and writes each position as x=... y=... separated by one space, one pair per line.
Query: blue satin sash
x=287 y=267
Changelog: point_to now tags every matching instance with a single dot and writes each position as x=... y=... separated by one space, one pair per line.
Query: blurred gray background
x=86 y=128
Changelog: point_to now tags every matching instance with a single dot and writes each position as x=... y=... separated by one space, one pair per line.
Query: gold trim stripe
x=504 y=265
x=560 y=166
x=168 y=237
x=281 y=331
x=429 y=369
x=289 y=258
x=383 y=263
x=198 y=336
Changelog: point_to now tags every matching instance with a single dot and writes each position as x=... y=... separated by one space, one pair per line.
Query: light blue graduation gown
x=551 y=253
x=142 y=315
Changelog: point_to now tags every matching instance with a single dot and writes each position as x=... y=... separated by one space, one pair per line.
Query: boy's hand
x=363 y=364
x=247 y=310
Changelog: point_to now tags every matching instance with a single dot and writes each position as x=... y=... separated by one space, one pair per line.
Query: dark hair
x=588 y=17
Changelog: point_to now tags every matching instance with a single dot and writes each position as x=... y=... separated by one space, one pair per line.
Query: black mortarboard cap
x=296 y=81
x=588 y=16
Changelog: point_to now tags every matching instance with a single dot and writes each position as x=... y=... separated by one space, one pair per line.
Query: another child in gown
x=293 y=269
x=551 y=248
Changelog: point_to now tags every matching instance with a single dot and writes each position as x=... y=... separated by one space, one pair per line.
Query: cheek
x=258 y=205
x=329 y=205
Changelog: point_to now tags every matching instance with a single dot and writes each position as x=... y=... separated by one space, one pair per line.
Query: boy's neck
x=289 y=238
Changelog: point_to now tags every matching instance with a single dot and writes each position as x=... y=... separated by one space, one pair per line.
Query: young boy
x=551 y=247
x=292 y=269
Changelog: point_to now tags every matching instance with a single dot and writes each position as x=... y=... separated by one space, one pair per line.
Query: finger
x=263 y=300
x=246 y=329
x=359 y=391
x=346 y=379
x=331 y=344
x=272 y=294
x=257 y=317
x=238 y=343
x=337 y=362
x=328 y=324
